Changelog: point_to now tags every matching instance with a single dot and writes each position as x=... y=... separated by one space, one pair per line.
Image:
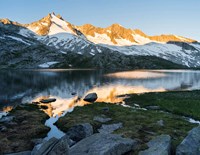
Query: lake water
x=66 y=85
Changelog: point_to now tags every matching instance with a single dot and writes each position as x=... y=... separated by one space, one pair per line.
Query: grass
x=138 y=124
x=28 y=124
x=185 y=103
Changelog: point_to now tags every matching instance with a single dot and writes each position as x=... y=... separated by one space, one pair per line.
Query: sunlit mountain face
x=62 y=43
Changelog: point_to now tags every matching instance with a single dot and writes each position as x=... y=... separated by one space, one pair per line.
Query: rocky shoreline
x=100 y=128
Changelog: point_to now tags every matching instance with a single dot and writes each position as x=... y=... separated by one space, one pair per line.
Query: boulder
x=48 y=100
x=102 y=119
x=92 y=97
x=60 y=148
x=78 y=132
x=21 y=153
x=103 y=144
x=191 y=144
x=160 y=145
x=45 y=147
x=52 y=147
x=109 y=128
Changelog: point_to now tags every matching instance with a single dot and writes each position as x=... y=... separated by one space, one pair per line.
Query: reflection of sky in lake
x=25 y=86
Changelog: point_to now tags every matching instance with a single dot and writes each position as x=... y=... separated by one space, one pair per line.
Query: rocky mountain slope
x=53 y=42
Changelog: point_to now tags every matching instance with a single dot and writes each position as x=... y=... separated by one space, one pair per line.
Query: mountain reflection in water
x=27 y=86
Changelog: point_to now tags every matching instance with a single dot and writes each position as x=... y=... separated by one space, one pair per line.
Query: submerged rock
x=92 y=97
x=191 y=144
x=160 y=145
x=48 y=100
x=109 y=128
x=103 y=144
x=79 y=132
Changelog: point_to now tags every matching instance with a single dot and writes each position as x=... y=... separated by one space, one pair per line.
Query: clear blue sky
x=181 y=17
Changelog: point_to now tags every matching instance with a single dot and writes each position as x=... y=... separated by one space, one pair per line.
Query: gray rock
x=153 y=107
x=105 y=109
x=78 y=132
x=21 y=153
x=160 y=123
x=52 y=147
x=48 y=100
x=91 y=97
x=103 y=144
x=191 y=144
x=6 y=119
x=60 y=148
x=109 y=128
x=102 y=119
x=160 y=145
x=45 y=147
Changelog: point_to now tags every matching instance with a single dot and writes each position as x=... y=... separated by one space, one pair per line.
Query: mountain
x=54 y=42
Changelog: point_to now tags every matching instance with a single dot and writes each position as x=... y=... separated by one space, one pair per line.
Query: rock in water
x=191 y=144
x=91 y=97
x=160 y=145
x=78 y=132
x=103 y=144
x=48 y=100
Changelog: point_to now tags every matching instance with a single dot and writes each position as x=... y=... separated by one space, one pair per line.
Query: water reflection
x=27 y=86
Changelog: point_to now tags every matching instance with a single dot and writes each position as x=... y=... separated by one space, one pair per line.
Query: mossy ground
x=184 y=103
x=28 y=124
x=138 y=124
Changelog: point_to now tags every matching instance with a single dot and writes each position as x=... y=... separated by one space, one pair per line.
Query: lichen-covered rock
x=191 y=144
x=103 y=144
x=160 y=145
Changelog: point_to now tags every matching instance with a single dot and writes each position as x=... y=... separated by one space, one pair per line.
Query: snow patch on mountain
x=18 y=39
x=47 y=64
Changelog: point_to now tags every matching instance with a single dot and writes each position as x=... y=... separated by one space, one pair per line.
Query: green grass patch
x=28 y=124
x=185 y=103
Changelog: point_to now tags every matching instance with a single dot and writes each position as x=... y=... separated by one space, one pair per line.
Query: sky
x=154 y=17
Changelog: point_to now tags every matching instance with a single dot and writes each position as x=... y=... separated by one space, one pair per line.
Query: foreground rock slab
x=103 y=144
x=52 y=147
x=191 y=144
x=91 y=97
x=161 y=145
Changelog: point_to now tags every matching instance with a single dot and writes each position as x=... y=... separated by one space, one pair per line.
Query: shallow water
x=27 y=86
